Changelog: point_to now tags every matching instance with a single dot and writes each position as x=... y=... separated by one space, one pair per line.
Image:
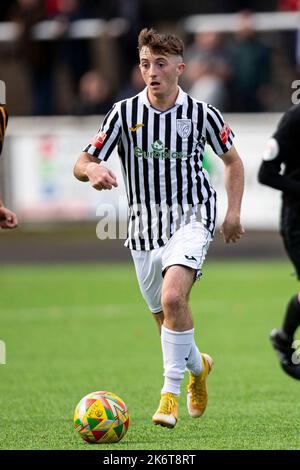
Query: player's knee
x=172 y=301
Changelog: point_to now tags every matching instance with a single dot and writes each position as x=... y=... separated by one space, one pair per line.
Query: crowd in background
x=242 y=71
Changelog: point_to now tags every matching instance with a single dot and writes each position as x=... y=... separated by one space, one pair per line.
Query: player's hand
x=232 y=229
x=8 y=219
x=100 y=177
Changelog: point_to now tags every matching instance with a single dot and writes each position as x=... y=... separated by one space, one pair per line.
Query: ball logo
x=98 y=413
x=99 y=139
x=224 y=133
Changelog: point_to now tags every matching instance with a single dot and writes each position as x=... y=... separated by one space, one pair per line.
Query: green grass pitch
x=70 y=330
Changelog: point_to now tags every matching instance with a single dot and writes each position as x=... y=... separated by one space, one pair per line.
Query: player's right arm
x=89 y=168
x=8 y=218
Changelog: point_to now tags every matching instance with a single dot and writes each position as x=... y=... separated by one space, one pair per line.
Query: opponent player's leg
x=283 y=339
x=292 y=317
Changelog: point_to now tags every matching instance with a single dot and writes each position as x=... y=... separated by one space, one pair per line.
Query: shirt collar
x=179 y=100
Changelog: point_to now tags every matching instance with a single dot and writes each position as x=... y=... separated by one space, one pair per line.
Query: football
x=101 y=417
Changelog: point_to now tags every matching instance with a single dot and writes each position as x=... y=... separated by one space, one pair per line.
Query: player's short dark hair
x=160 y=43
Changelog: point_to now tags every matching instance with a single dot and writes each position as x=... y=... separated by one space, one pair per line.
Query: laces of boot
x=167 y=405
x=196 y=390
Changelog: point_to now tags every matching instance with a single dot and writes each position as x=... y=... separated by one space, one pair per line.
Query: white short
x=188 y=247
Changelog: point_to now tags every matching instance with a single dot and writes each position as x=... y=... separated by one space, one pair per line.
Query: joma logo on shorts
x=190 y=258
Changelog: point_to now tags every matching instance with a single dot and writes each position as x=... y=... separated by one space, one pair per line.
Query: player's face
x=160 y=72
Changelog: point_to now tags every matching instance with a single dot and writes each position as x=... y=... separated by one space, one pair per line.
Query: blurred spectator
x=6 y=6
x=209 y=46
x=291 y=39
x=134 y=86
x=51 y=7
x=251 y=68
x=37 y=55
x=168 y=10
x=207 y=85
x=253 y=5
x=288 y=5
x=208 y=69
x=72 y=52
x=132 y=12
x=94 y=94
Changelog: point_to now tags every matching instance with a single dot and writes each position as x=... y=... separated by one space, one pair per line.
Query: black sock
x=292 y=317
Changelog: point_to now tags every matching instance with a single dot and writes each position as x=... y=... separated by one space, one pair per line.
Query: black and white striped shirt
x=161 y=156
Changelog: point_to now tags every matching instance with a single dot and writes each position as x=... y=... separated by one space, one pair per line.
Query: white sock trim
x=177 y=337
x=177 y=332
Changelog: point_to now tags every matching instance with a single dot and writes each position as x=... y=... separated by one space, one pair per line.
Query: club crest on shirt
x=184 y=127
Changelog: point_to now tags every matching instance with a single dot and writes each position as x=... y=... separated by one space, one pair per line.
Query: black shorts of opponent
x=290 y=232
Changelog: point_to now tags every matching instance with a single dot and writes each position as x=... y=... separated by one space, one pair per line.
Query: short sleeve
x=218 y=133
x=103 y=143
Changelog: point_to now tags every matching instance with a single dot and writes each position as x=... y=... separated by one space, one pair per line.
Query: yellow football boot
x=167 y=413
x=197 y=393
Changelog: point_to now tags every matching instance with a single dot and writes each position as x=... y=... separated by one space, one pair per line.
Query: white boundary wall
x=40 y=154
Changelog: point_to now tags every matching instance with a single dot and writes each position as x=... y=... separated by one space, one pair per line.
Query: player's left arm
x=220 y=137
x=231 y=228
